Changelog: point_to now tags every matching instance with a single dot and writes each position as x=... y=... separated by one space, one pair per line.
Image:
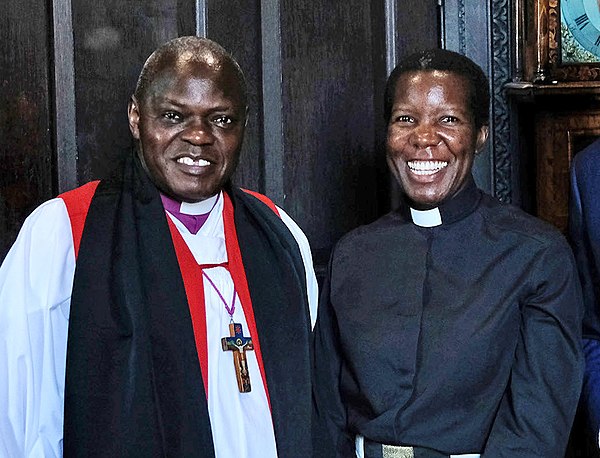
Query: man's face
x=431 y=136
x=190 y=127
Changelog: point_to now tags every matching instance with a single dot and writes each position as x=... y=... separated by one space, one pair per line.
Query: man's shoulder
x=261 y=197
x=280 y=215
x=78 y=200
x=588 y=155
x=46 y=226
x=586 y=173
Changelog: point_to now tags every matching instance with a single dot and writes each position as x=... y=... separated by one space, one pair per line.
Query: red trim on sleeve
x=78 y=202
x=264 y=199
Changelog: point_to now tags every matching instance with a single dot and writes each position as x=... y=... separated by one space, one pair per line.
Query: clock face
x=580 y=31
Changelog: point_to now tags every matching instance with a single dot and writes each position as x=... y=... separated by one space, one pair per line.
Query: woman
x=452 y=325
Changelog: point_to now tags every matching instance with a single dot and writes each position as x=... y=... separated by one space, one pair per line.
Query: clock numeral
x=582 y=21
x=597 y=42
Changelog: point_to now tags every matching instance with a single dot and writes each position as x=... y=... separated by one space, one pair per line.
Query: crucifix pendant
x=238 y=344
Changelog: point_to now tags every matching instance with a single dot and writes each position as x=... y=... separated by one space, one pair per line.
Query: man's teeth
x=426 y=167
x=192 y=162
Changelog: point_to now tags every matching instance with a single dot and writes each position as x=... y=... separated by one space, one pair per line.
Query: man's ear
x=133 y=114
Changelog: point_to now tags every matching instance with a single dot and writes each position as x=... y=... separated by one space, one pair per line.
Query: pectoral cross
x=238 y=344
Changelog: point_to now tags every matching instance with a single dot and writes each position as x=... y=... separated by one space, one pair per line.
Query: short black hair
x=189 y=49
x=444 y=60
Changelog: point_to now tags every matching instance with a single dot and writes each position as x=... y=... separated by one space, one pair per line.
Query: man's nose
x=198 y=132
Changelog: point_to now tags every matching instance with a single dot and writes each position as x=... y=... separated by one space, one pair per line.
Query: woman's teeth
x=426 y=167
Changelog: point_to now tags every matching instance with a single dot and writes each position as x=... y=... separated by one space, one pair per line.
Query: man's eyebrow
x=169 y=101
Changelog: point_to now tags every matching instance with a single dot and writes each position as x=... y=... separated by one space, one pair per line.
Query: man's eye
x=403 y=118
x=223 y=121
x=172 y=116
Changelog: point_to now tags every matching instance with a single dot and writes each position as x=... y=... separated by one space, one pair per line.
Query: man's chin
x=191 y=199
x=190 y=196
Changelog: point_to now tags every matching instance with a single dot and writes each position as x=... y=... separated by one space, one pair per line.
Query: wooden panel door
x=26 y=152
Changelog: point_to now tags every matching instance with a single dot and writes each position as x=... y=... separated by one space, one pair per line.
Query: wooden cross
x=238 y=344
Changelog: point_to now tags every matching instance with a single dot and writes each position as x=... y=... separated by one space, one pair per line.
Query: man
x=188 y=302
x=584 y=233
x=451 y=326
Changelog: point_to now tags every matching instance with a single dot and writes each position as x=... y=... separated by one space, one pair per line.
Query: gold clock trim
x=560 y=71
x=571 y=51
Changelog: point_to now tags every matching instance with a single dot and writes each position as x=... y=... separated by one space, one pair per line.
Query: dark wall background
x=26 y=151
x=316 y=71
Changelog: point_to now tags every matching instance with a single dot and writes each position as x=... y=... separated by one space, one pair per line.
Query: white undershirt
x=253 y=436
x=36 y=279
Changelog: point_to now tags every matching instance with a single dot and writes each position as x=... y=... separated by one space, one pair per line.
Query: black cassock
x=461 y=338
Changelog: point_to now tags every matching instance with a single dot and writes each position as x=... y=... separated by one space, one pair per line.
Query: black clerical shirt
x=462 y=338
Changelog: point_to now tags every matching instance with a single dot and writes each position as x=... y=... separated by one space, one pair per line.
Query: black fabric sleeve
x=330 y=409
x=537 y=410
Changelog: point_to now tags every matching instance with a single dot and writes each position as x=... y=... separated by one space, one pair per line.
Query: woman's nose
x=424 y=135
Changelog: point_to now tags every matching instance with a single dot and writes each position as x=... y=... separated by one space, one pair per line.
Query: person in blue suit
x=584 y=232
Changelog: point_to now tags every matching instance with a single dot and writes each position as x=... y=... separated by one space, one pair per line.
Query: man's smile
x=198 y=162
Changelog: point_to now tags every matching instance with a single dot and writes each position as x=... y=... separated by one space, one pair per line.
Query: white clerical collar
x=426 y=218
x=199 y=208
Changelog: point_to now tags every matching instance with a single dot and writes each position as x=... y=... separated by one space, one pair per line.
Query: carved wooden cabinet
x=556 y=94
x=560 y=133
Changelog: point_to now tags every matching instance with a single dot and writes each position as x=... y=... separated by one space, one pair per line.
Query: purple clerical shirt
x=193 y=223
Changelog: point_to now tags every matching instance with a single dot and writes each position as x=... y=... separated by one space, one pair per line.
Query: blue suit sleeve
x=590 y=395
x=582 y=185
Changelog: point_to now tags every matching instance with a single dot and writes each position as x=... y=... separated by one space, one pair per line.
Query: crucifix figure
x=238 y=344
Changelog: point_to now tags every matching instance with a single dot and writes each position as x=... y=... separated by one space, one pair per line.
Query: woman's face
x=431 y=136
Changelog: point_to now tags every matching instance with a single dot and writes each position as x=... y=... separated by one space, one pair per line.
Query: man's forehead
x=217 y=70
x=178 y=85
x=205 y=57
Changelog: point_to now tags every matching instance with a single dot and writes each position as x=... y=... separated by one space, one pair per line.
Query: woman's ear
x=482 y=136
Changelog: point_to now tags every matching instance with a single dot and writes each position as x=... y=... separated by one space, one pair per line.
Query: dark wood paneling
x=331 y=168
x=63 y=112
x=315 y=69
x=25 y=145
x=239 y=31
x=417 y=27
x=112 y=39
